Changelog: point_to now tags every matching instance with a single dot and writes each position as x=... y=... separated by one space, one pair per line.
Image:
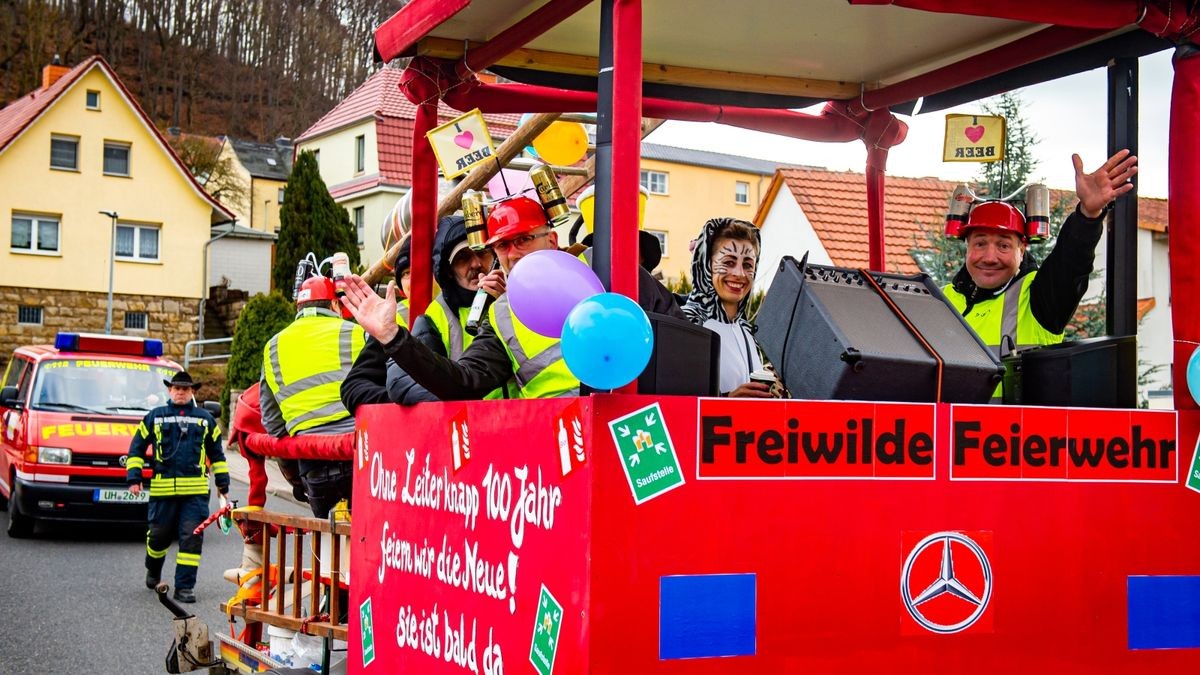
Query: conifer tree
x=309 y=221
x=262 y=318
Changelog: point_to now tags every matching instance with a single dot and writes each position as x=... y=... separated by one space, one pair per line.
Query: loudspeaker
x=832 y=336
x=1097 y=372
x=685 y=360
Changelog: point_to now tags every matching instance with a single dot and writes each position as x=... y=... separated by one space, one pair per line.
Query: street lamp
x=112 y=255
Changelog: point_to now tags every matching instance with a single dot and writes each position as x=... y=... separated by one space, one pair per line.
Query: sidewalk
x=277 y=485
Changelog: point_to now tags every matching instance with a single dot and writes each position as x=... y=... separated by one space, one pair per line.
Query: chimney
x=52 y=72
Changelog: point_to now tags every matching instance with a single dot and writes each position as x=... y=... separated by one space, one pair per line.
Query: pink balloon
x=545 y=286
x=517 y=181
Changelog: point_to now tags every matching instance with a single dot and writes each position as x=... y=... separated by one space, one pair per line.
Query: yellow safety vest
x=537 y=360
x=402 y=313
x=454 y=338
x=1008 y=316
x=304 y=365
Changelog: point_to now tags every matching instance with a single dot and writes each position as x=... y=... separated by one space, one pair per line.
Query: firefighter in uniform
x=1005 y=296
x=303 y=368
x=185 y=438
x=504 y=347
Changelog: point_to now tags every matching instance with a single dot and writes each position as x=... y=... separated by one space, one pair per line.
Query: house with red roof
x=87 y=177
x=823 y=213
x=364 y=151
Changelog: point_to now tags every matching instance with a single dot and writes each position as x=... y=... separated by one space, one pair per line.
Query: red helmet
x=514 y=216
x=996 y=215
x=314 y=289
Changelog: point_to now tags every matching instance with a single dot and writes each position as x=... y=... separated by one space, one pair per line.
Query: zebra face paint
x=733 y=266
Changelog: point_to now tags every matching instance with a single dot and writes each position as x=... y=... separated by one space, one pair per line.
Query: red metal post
x=1183 y=188
x=627 y=143
x=424 y=209
x=876 y=164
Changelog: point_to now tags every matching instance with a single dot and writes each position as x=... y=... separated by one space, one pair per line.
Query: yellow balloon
x=562 y=143
x=586 y=203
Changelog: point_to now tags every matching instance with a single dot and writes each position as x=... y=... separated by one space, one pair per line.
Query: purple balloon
x=545 y=286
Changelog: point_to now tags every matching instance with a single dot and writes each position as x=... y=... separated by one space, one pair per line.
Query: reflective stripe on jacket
x=185 y=439
x=1006 y=315
x=455 y=338
x=537 y=360
x=304 y=365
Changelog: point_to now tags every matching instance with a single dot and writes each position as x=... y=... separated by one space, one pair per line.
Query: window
x=116 y=158
x=136 y=320
x=360 y=223
x=317 y=157
x=360 y=154
x=662 y=240
x=29 y=315
x=741 y=193
x=64 y=153
x=34 y=234
x=655 y=182
x=280 y=198
x=137 y=242
x=16 y=368
x=93 y=100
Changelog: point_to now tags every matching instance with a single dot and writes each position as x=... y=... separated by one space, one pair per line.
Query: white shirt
x=739 y=354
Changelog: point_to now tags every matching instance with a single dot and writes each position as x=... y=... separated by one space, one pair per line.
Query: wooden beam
x=656 y=73
x=475 y=180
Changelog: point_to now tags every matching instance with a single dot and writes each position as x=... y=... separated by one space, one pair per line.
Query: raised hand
x=376 y=315
x=1096 y=189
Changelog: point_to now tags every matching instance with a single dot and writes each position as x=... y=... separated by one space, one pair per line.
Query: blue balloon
x=607 y=341
x=1193 y=375
x=529 y=148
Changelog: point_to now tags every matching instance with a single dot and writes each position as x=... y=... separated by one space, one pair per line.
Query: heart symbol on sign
x=466 y=138
x=974 y=133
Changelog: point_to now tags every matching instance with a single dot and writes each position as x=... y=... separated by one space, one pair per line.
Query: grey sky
x=1068 y=115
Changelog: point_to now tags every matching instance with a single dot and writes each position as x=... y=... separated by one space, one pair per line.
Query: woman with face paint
x=723 y=266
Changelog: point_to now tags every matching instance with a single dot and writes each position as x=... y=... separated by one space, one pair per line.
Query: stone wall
x=172 y=320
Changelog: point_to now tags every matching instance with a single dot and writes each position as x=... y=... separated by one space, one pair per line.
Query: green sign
x=546 y=625
x=367 y=630
x=1193 y=480
x=647 y=453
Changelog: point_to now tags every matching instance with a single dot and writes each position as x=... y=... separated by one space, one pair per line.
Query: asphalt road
x=72 y=599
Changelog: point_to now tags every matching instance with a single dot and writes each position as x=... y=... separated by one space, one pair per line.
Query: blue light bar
x=108 y=344
x=66 y=342
x=152 y=347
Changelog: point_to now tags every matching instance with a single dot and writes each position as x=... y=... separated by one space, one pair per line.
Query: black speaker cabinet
x=831 y=336
x=1097 y=372
x=685 y=360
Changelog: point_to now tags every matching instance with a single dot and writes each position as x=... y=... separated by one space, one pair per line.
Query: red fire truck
x=67 y=414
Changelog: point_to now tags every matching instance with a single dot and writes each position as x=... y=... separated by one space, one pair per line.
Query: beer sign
x=974 y=138
x=461 y=143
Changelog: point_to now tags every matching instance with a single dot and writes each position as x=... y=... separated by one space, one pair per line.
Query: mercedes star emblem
x=947 y=582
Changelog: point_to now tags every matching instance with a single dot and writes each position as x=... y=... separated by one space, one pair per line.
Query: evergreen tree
x=309 y=221
x=262 y=318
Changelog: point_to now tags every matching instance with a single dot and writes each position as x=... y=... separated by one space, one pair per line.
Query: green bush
x=263 y=317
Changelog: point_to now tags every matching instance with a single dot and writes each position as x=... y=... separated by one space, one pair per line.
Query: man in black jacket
x=1003 y=294
x=457 y=269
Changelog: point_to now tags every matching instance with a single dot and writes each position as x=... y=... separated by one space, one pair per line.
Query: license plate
x=121 y=496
